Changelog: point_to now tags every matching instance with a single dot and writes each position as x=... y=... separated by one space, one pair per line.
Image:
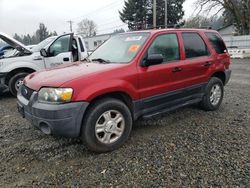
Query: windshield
x=120 y=48
x=43 y=44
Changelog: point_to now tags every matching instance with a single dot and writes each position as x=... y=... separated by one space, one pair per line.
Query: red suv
x=132 y=75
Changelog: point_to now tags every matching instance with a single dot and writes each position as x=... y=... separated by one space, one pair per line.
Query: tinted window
x=194 y=45
x=167 y=45
x=217 y=43
x=60 y=45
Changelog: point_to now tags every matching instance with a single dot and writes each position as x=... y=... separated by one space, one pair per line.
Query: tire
x=14 y=81
x=212 y=100
x=98 y=129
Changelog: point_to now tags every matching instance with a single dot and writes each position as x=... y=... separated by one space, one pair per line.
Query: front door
x=158 y=81
x=60 y=51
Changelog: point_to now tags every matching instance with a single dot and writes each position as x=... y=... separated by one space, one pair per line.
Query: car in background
x=21 y=61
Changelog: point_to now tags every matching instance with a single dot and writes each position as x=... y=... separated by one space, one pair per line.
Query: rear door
x=60 y=51
x=198 y=59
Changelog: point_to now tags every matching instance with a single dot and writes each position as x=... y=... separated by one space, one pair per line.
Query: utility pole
x=154 y=14
x=166 y=13
x=70 y=25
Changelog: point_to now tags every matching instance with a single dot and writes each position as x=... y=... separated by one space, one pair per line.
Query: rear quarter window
x=217 y=42
x=194 y=45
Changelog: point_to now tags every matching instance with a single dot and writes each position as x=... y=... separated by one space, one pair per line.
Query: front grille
x=26 y=92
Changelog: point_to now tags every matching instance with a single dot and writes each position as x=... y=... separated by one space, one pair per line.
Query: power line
x=97 y=11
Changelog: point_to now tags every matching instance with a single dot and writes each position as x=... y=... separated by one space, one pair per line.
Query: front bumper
x=228 y=73
x=61 y=120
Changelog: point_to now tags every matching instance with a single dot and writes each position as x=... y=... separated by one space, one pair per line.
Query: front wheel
x=107 y=125
x=213 y=95
x=16 y=81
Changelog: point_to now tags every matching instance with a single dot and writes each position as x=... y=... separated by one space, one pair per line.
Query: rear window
x=194 y=45
x=217 y=43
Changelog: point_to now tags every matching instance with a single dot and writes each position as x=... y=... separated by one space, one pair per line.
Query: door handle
x=66 y=59
x=207 y=64
x=37 y=58
x=177 y=69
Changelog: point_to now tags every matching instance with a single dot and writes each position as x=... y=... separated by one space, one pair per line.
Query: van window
x=81 y=45
x=61 y=45
x=217 y=43
x=194 y=45
x=167 y=45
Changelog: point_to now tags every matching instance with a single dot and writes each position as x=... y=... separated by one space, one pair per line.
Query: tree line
x=39 y=35
x=138 y=14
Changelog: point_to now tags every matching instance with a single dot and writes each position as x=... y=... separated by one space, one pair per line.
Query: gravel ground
x=186 y=148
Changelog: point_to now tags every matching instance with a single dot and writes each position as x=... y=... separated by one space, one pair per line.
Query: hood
x=58 y=76
x=14 y=43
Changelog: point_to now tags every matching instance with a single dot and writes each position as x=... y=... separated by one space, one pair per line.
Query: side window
x=60 y=45
x=81 y=45
x=217 y=43
x=194 y=45
x=167 y=45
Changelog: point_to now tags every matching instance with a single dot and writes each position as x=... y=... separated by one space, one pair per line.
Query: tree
x=119 y=30
x=138 y=14
x=87 y=28
x=199 y=21
x=238 y=10
x=42 y=33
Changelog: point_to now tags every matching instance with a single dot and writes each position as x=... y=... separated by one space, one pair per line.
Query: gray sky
x=23 y=16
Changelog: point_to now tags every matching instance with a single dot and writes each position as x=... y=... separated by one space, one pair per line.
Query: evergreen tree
x=138 y=14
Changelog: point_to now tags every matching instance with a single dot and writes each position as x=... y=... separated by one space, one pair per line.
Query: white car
x=18 y=63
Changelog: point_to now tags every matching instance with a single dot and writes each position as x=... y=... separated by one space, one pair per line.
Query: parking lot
x=187 y=147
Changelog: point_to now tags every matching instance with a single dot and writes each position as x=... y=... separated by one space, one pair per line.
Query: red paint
x=90 y=80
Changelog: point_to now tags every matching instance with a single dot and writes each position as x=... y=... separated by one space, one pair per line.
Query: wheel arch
x=221 y=75
x=119 y=95
x=16 y=71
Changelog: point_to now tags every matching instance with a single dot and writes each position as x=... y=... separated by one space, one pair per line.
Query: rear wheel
x=16 y=81
x=213 y=95
x=107 y=125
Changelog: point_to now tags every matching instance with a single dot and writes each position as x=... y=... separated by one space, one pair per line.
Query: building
x=227 y=31
x=93 y=42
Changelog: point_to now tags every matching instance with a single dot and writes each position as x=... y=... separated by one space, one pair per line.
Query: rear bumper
x=228 y=73
x=61 y=120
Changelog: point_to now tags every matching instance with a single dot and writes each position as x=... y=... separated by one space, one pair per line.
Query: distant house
x=93 y=42
x=227 y=31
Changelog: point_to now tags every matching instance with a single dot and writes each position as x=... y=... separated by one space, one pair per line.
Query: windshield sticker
x=134 y=38
x=134 y=48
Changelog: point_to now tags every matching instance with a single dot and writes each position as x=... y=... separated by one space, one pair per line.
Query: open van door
x=60 y=51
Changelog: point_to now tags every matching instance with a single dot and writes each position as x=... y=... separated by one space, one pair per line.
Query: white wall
x=93 y=42
x=240 y=41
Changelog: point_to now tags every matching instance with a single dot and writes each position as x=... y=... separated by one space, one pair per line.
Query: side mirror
x=44 y=53
x=153 y=59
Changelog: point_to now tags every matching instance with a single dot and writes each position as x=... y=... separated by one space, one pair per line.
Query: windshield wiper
x=100 y=60
x=86 y=59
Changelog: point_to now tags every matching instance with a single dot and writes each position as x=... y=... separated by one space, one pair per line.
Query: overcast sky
x=23 y=16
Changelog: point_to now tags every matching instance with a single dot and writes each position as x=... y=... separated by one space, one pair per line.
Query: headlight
x=55 y=95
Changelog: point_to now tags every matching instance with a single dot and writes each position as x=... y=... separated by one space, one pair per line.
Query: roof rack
x=176 y=26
